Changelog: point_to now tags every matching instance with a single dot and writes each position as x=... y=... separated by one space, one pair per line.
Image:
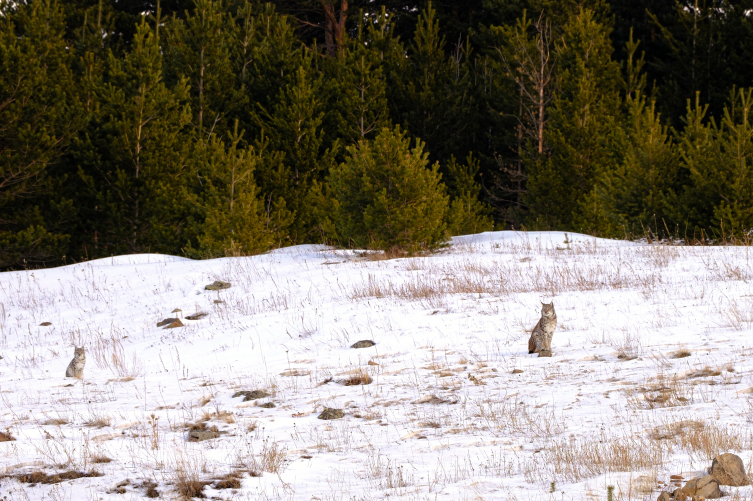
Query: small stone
x=201 y=435
x=251 y=395
x=45 y=324
x=166 y=321
x=517 y=371
x=545 y=353
x=197 y=316
x=218 y=285
x=329 y=413
x=177 y=310
x=679 y=495
x=174 y=324
x=268 y=405
x=728 y=469
x=664 y=496
x=365 y=343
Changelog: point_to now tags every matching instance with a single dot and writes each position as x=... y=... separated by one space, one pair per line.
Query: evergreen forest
x=209 y=128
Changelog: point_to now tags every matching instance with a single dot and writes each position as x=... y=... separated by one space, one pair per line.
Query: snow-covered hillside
x=651 y=374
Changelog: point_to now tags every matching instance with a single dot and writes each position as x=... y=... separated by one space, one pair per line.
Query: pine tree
x=387 y=197
x=635 y=192
x=359 y=89
x=431 y=94
x=137 y=168
x=582 y=120
x=719 y=158
x=233 y=215
x=467 y=214
x=294 y=129
x=199 y=49
x=39 y=115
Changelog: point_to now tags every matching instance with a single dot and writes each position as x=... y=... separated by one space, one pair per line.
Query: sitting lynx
x=541 y=337
x=76 y=367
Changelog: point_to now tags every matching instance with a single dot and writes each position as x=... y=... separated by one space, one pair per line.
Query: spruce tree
x=387 y=197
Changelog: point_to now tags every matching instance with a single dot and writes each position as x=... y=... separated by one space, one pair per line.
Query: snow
x=444 y=417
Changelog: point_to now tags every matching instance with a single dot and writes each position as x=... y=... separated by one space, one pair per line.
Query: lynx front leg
x=546 y=350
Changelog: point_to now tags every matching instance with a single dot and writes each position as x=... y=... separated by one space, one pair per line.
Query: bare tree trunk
x=531 y=68
x=334 y=28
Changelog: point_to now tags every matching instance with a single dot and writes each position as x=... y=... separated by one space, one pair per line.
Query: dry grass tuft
x=271 y=459
x=187 y=479
x=229 y=481
x=662 y=392
x=672 y=430
x=626 y=354
x=710 y=440
x=40 y=477
x=58 y=421
x=573 y=460
x=99 y=459
x=358 y=379
x=98 y=422
x=150 y=490
x=6 y=436
x=705 y=372
x=683 y=353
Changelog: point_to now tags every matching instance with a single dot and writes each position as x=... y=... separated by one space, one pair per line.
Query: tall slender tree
x=140 y=166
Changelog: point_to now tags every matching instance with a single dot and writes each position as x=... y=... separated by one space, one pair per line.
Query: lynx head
x=547 y=310
x=79 y=352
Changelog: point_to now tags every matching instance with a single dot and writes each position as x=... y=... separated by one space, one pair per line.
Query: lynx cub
x=76 y=367
x=541 y=337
